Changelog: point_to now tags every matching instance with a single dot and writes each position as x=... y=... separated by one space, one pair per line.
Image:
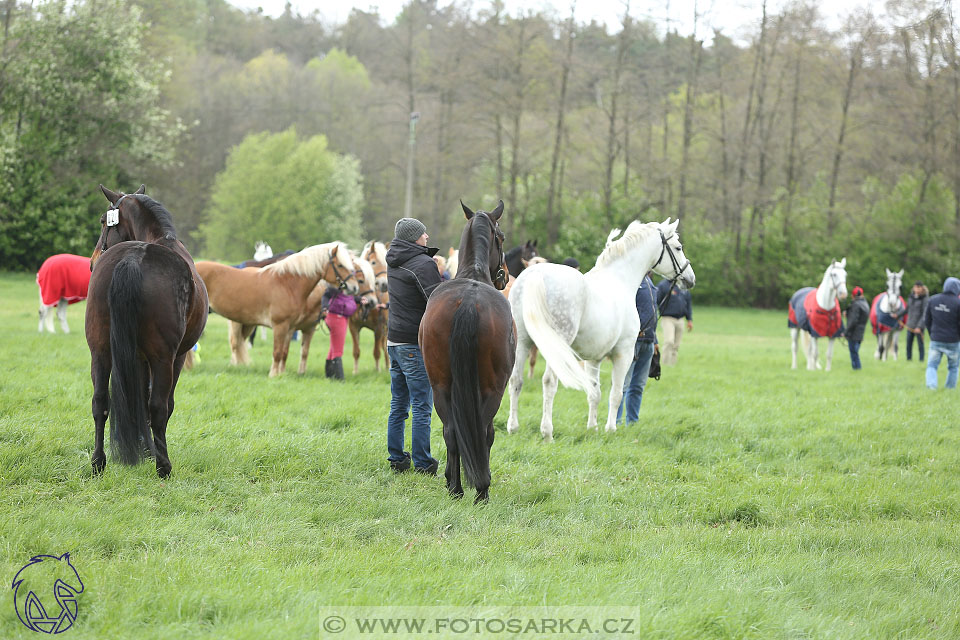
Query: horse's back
x=564 y=291
x=796 y=314
x=64 y=276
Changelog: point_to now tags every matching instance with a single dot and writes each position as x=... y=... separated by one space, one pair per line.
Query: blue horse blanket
x=881 y=321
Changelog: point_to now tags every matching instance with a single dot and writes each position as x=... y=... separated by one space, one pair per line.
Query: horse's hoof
x=611 y=429
x=456 y=494
x=482 y=498
x=164 y=472
x=98 y=466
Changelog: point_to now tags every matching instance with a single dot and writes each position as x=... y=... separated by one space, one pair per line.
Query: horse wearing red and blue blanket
x=63 y=280
x=817 y=312
x=888 y=315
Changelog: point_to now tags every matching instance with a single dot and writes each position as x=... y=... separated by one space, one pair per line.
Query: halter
x=342 y=284
x=833 y=280
x=113 y=220
x=673 y=259
x=501 y=275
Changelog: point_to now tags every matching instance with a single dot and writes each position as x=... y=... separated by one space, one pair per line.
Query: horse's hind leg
x=62 y=314
x=305 y=349
x=160 y=400
x=516 y=385
x=794 y=338
x=441 y=400
x=549 y=392
x=593 y=393
x=830 y=342
x=355 y=337
x=533 y=359
x=100 y=374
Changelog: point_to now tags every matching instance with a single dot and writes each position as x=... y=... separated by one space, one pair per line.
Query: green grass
x=751 y=502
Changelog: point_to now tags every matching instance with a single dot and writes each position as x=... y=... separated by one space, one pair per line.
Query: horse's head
x=894 y=282
x=262 y=251
x=376 y=254
x=836 y=277
x=673 y=264
x=363 y=271
x=340 y=269
x=528 y=252
x=480 y=224
x=117 y=223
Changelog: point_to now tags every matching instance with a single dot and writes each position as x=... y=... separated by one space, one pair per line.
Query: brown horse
x=469 y=342
x=276 y=295
x=146 y=308
x=372 y=317
x=310 y=316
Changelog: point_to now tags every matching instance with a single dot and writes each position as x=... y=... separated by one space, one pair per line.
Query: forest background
x=783 y=148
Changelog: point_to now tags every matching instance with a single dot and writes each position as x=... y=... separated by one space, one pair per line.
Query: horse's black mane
x=481 y=244
x=160 y=214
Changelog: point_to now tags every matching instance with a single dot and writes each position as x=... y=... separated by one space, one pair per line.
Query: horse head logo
x=38 y=578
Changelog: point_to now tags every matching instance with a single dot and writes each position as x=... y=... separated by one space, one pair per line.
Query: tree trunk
x=838 y=152
x=696 y=53
x=553 y=221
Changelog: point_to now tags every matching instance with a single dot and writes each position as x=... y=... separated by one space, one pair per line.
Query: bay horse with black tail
x=146 y=308
x=469 y=342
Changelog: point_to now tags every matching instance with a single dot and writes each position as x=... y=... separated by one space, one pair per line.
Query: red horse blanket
x=882 y=321
x=805 y=313
x=64 y=276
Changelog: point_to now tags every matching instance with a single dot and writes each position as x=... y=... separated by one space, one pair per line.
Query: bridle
x=113 y=220
x=501 y=275
x=341 y=282
x=666 y=249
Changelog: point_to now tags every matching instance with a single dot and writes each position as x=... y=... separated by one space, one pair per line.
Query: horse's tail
x=128 y=410
x=465 y=393
x=536 y=320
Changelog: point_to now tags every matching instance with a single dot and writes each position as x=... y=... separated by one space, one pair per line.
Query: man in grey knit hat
x=412 y=276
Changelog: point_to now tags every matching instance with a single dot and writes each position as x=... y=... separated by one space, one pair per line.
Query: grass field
x=752 y=502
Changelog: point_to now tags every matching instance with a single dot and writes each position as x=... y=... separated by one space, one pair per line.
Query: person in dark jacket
x=942 y=320
x=336 y=307
x=916 y=310
x=412 y=276
x=857 y=316
x=674 y=304
x=643 y=350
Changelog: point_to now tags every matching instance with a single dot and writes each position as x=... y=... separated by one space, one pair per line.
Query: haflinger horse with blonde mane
x=816 y=311
x=276 y=295
x=308 y=318
x=574 y=317
x=888 y=315
x=370 y=316
x=146 y=308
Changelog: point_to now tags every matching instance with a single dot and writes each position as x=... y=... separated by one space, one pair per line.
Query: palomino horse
x=887 y=316
x=146 y=308
x=63 y=279
x=468 y=341
x=308 y=325
x=817 y=312
x=573 y=317
x=276 y=295
x=370 y=316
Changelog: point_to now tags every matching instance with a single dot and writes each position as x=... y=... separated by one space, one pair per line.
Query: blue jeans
x=635 y=381
x=937 y=351
x=854 y=353
x=409 y=387
x=911 y=336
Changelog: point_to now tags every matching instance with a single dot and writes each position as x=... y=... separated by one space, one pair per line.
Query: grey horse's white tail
x=536 y=320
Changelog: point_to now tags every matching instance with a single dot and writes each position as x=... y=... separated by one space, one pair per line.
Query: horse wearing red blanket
x=63 y=279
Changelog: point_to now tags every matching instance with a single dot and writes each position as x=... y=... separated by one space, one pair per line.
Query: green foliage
x=287 y=192
x=79 y=107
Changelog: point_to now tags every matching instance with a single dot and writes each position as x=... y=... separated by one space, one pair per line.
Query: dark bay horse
x=518 y=258
x=469 y=343
x=146 y=308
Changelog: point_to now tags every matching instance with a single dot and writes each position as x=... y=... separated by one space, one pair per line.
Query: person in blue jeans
x=639 y=371
x=857 y=316
x=412 y=276
x=942 y=319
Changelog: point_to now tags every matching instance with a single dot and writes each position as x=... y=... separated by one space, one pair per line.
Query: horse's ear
x=450 y=252
x=112 y=196
x=900 y=273
x=496 y=213
x=466 y=210
x=843 y=263
x=889 y=273
x=141 y=190
x=535 y=242
x=333 y=252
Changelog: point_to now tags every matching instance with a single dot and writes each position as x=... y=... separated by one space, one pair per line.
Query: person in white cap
x=412 y=276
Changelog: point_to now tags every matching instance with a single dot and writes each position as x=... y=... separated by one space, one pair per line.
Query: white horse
x=885 y=313
x=573 y=317
x=262 y=251
x=817 y=311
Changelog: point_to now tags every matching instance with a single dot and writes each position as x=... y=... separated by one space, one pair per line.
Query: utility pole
x=408 y=206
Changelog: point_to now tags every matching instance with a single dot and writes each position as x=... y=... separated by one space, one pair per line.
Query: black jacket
x=412 y=275
x=857 y=316
x=943 y=313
